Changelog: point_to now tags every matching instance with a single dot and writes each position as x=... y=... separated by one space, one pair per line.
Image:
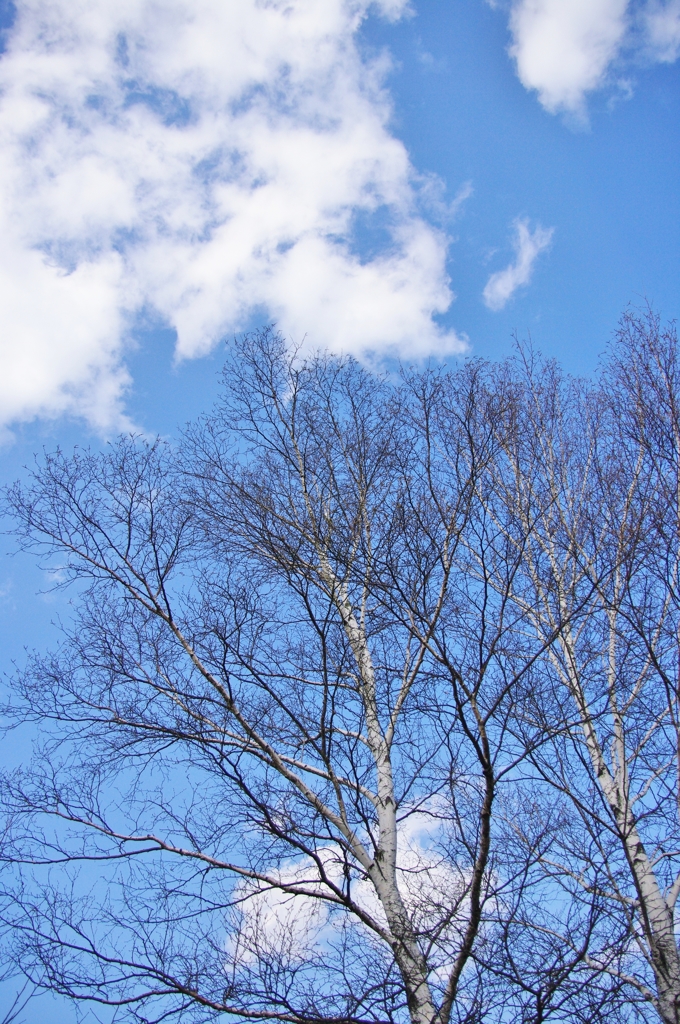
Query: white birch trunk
x=383 y=870
x=655 y=910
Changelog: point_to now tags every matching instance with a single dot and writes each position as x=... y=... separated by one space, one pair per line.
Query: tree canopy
x=368 y=711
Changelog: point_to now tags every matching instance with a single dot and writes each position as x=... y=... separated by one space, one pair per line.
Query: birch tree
x=280 y=722
x=589 y=486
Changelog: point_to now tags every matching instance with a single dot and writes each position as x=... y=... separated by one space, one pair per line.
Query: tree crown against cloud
x=367 y=710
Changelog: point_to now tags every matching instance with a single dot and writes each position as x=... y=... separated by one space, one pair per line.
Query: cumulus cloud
x=276 y=920
x=563 y=48
x=528 y=244
x=200 y=161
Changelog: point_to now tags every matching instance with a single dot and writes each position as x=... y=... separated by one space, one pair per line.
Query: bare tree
x=588 y=485
x=283 y=722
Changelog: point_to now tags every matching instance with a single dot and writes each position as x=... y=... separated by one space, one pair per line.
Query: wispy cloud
x=200 y=163
x=662 y=25
x=565 y=49
x=528 y=244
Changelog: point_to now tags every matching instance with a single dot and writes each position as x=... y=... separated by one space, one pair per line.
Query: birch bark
x=383 y=869
x=590 y=480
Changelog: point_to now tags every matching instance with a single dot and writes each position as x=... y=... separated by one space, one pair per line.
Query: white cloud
x=528 y=245
x=429 y=882
x=563 y=47
x=201 y=160
x=662 y=24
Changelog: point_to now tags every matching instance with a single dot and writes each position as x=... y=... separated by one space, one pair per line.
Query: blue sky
x=607 y=184
x=414 y=181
